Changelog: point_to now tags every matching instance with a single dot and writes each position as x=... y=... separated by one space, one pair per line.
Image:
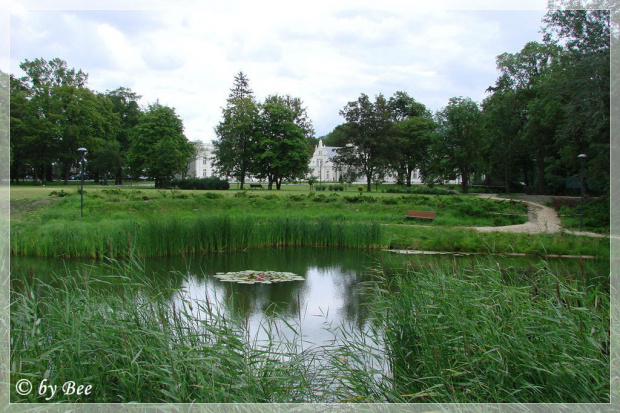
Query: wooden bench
x=420 y=214
x=252 y=186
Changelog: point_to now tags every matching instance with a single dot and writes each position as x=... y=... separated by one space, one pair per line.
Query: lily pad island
x=257 y=277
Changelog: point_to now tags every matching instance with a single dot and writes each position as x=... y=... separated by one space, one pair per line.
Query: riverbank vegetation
x=148 y=222
x=452 y=334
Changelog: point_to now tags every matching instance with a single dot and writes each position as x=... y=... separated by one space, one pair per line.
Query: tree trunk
x=541 y=175
x=464 y=182
x=368 y=182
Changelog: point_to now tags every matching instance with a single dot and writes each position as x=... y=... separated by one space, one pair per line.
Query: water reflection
x=331 y=293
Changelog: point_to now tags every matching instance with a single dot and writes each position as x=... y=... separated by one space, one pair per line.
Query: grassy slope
x=33 y=209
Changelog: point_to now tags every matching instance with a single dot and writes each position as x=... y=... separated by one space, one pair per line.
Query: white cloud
x=187 y=56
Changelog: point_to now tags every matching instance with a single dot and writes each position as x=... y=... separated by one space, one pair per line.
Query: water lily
x=252 y=277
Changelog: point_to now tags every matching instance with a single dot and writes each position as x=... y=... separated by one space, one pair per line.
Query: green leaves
x=159 y=148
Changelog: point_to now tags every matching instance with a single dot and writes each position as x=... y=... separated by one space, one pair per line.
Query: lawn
x=51 y=216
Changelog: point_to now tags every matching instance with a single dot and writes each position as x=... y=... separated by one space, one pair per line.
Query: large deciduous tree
x=56 y=114
x=412 y=133
x=457 y=146
x=237 y=133
x=159 y=148
x=368 y=130
x=125 y=106
x=281 y=150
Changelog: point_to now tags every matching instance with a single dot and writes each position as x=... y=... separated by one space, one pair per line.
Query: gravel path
x=542 y=219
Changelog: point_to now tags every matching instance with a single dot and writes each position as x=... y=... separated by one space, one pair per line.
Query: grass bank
x=149 y=222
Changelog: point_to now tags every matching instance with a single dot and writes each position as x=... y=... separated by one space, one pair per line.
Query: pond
x=331 y=293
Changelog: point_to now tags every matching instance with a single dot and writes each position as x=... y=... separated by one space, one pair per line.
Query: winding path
x=542 y=219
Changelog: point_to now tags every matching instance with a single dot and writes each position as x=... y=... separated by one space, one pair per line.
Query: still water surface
x=331 y=294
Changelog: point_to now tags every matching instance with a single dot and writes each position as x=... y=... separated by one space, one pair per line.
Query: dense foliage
x=200 y=183
x=549 y=104
x=53 y=113
x=266 y=140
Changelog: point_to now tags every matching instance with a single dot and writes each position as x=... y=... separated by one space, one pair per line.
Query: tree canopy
x=159 y=148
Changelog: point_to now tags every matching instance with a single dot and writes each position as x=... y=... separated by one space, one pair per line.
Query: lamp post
x=83 y=152
x=582 y=157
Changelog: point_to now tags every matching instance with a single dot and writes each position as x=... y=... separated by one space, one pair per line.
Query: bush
x=424 y=190
x=320 y=187
x=211 y=195
x=297 y=198
x=211 y=183
x=60 y=194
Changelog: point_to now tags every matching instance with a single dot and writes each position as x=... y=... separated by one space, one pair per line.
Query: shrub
x=211 y=195
x=297 y=198
x=420 y=190
x=211 y=183
x=360 y=188
x=60 y=194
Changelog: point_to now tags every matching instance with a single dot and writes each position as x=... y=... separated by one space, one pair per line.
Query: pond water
x=330 y=293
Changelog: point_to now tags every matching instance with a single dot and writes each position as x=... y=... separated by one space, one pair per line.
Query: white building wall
x=202 y=165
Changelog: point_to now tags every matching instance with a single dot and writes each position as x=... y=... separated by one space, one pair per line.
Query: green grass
x=469 y=240
x=153 y=222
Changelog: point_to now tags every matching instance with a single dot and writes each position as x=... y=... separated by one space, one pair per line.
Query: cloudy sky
x=327 y=54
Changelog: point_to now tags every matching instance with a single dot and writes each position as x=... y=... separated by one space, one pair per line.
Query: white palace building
x=321 y=165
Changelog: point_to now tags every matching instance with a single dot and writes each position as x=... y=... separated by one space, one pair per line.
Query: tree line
x=53 y=113
x=549 y=104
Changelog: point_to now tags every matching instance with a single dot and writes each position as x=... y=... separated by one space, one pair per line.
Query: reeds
x=494 y=335
x=440 y=334
x=170 y=235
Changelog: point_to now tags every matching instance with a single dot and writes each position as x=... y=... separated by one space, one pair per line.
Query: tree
x=504 y=116
x=125 y=106
x=368 y=130
x=300 y=114
x=281 y=151
x=237 y=132
x=456 y=147
x=336 y=137
x=413 y=129
x=580 y=87
x=107 y=160
x=524 y=73
x=56 y=114
x=159 y=148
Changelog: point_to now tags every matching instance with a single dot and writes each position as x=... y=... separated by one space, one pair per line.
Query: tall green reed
x=134 y=341
x=494 y=335
x=171 y=235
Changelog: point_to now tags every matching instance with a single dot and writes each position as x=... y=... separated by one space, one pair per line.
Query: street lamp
x=83 y=152
x=582 y=157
